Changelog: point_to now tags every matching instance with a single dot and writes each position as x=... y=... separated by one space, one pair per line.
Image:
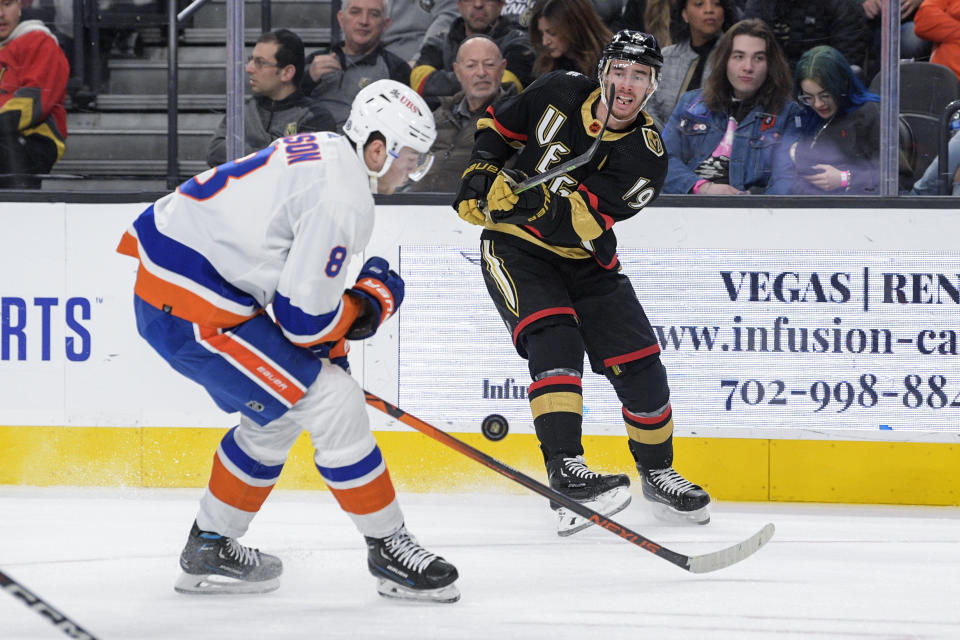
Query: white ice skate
x=604 y=493
x=606 y=504
x=673 y=498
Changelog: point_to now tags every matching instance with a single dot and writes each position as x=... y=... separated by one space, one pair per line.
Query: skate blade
x=392 y=590
x=213 y=584
x=606 y=504
x=663 y=513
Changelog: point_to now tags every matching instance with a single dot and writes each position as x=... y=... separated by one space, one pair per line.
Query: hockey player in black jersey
x=550 y=265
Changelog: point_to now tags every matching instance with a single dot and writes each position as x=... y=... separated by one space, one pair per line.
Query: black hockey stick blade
x=703 y=563
x=43 y=608
x=571 y=164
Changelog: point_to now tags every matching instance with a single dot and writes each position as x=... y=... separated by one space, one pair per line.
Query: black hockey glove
x=517 y=208
x=474 y=185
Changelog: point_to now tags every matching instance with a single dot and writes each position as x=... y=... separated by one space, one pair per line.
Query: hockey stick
x=35 y=602
x=694 y=564
x=573 y=163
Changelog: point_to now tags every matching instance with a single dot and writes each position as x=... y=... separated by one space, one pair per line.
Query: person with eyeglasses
x=839 y=147
x=278 y=107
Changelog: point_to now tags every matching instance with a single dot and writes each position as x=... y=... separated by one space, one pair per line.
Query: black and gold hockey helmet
x=634 y=46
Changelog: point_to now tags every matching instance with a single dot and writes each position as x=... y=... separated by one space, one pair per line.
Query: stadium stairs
x=118 y=142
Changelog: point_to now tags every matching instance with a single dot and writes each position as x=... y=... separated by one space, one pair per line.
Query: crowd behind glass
x=773 y=97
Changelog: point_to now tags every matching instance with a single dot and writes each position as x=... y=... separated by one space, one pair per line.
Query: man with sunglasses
x=278 y=107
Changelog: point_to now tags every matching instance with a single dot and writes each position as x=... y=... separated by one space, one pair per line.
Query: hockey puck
x=494 y=427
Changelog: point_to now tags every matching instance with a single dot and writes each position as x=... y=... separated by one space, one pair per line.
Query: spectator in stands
x=687 y=62
x=334 y=77
x=479 y=67
x=939 y=22
x=734 y=135
x=839 y=147
x=433 y=76
x=33 y=85
x=911 y=46
x=929 y=183
x=609 y=11
x=414 y=22
x=800 y=26
x=517 y=11
x=567 y=34
x=650 y=16
x=278 y=107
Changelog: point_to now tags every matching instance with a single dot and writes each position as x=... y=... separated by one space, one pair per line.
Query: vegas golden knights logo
x=290 y=129
x=653 y=142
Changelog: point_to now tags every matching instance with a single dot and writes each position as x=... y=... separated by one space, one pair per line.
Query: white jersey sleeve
x=276 y=227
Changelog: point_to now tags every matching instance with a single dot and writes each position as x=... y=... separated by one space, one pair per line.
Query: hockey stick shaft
x=43 y=608
x=694 y=564
x=573 y=163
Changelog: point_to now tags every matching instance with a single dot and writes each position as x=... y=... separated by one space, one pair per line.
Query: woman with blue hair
x=839 y=147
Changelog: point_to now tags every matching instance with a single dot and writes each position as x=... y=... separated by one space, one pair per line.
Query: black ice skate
x=213 y=563
x=406 y=571
x=605 y=494
x=673 y=498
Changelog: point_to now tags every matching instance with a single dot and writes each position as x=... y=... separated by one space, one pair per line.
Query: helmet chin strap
x=373 y=177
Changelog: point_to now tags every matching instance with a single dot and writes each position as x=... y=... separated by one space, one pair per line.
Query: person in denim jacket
x=734 y=135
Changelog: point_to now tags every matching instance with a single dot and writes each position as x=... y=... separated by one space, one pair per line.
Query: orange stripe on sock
x=371 y=497
x=233 y=491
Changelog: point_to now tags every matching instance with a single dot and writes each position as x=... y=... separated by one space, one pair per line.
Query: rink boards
x=812 y=354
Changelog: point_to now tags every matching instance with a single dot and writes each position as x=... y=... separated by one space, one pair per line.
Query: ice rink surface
x=108 y=560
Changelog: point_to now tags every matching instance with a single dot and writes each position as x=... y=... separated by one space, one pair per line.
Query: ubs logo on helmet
x=409 y=104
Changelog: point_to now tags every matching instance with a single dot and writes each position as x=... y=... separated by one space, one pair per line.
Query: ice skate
x=673 y=498
x=605 y=494
x=213 y=563
x=406 y=571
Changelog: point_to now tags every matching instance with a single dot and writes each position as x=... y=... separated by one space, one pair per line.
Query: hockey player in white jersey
x=276 y=229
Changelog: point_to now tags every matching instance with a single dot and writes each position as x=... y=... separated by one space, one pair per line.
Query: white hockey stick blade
x=731 y=555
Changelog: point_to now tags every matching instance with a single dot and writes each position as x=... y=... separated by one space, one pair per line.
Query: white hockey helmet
x=400 y=115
